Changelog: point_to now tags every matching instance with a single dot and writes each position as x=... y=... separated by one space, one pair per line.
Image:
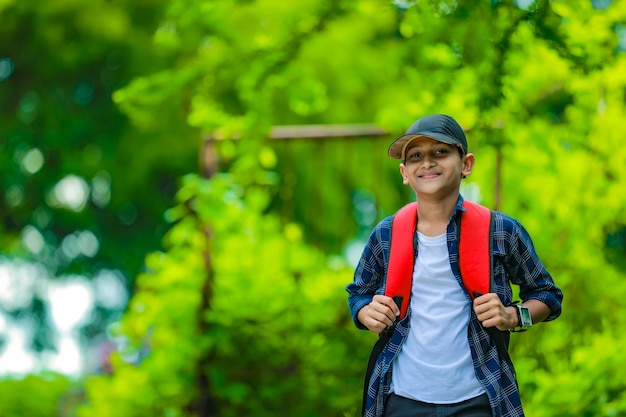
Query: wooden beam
x=326 y=131
x=316 y=132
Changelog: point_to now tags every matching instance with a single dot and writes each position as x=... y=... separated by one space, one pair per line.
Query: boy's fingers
x=387 y=306
x=396 y=307
x=384 y=319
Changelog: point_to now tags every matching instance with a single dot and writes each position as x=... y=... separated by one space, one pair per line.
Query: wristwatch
x=524 y=319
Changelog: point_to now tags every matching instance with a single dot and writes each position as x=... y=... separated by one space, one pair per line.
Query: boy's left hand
x=492 y=313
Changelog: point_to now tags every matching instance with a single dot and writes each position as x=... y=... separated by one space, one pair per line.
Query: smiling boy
x=441 y=359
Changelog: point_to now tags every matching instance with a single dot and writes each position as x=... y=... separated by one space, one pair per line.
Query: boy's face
x=434 y=168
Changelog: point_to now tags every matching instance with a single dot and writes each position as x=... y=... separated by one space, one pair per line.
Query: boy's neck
x=433 y=215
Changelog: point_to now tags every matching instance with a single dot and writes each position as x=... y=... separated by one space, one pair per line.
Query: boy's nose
x=428 y=161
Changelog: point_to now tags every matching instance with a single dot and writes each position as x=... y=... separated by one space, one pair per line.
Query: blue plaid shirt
x=514 y=261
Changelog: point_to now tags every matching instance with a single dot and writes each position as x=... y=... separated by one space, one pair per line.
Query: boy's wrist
x=514 y=317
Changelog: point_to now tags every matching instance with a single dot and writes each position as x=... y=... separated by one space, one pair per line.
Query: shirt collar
x=459 y=205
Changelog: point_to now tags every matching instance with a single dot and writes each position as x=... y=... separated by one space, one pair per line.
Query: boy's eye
x=437 y=152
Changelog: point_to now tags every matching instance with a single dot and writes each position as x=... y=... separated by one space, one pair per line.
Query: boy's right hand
x=379 y=314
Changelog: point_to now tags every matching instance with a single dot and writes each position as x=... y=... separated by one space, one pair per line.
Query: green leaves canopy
x=540 y=92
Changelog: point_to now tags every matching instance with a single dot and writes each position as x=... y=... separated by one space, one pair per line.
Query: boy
x=442 y=358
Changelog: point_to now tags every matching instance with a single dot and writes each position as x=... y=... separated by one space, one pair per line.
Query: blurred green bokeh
x=133 y=284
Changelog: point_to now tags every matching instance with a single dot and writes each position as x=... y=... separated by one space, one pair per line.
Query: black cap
x=436 y=126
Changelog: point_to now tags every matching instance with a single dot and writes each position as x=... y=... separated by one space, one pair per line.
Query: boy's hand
x=492 y=313
x=379 y=314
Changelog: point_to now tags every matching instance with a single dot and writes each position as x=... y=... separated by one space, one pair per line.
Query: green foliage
x=58 y=120
x=71 y=164
x=239 y=303
x=47 y=395
x=587 y=383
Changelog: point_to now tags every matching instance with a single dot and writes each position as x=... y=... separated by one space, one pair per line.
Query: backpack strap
x=401 y=256
x=475 y=240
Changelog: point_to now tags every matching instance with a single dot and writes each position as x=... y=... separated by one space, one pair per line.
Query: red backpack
x=474 y=252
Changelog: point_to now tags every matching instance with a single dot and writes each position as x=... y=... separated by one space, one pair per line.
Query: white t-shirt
x=435 y=363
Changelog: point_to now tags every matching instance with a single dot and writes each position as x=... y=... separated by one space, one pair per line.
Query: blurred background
x=187 y=185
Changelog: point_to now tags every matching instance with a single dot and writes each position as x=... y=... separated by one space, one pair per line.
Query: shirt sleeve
x=526 y=270
x=369 y=274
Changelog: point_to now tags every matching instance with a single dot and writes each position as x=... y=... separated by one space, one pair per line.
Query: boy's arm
x=537 y=288
x=370 y=272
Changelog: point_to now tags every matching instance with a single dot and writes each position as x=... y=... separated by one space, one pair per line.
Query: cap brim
x=397 y=148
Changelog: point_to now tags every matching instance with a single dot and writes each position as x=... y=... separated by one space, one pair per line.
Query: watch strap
x=521 y=326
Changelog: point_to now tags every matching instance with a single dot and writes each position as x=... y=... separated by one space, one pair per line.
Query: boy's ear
x=405 y=179
x=468 y=164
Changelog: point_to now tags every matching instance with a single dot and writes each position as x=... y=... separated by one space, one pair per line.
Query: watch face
x=526 y=319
